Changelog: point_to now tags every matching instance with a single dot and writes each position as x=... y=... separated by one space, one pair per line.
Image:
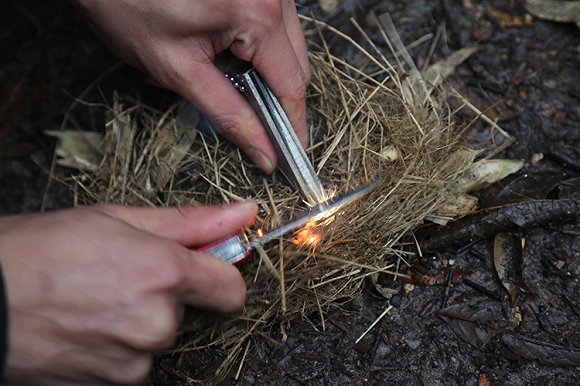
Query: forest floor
x=455 y=325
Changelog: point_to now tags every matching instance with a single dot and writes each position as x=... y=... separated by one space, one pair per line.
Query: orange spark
x=307 y=237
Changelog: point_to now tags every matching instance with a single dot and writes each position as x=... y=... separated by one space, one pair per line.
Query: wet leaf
x=507 y=259
x=481 y=312
x=554 y=10
x=81 y=150
x=485 y=173
x=544 y=352
x=471 y=333
x=474 y=322
x=440 y=71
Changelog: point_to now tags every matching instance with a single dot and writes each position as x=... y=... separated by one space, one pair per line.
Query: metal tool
x=238 y=248
x=293 y=161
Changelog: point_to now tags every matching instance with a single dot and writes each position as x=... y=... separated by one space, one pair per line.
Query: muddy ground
x=456 y=324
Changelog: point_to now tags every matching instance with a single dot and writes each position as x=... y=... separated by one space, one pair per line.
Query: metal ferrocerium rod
x=293 y=161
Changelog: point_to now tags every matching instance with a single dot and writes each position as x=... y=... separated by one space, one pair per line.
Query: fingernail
x=243 y=205
x=261 y=160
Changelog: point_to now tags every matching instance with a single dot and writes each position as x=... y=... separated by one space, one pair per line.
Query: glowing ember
x=260 y=233
x=307 y=237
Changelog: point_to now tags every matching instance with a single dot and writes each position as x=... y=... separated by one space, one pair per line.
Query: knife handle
x=234 y=249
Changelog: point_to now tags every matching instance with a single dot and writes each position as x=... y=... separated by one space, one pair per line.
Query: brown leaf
x=474 y=322
x=507 y=259
x=544 y=352
x=475 y=312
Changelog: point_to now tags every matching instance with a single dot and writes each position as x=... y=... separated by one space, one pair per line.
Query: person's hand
x=176 y=42
x=92 y=292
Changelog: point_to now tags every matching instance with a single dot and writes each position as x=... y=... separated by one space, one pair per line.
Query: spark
x=307 y=236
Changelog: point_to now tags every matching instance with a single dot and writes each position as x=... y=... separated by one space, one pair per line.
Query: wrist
x=3 y=325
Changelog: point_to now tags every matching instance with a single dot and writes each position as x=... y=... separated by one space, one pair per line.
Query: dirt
x=456 y=323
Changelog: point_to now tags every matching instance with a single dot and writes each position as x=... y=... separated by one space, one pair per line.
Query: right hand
x=176 y=43
x=94 y=292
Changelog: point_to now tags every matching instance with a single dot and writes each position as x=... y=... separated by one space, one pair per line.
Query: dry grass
x=386 y=126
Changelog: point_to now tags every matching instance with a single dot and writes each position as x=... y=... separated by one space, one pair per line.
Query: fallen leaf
x=481 y=312
x=507 y=259
x=554 y=10
x=458 y=205
x=546 y=353
x=485 y=173
x=440 y=71
x=474 y=322
x=81 y=150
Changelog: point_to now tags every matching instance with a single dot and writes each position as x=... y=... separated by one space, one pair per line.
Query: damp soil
x=454 y=322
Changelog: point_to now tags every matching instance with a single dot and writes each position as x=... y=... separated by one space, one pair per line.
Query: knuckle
x=161 y=330
x=167 y=275
x=263 y=15
x=133 y=372
x=228 y=125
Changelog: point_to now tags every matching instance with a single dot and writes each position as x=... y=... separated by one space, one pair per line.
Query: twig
x=481 y=289
x=243 y=360
x=480 y=113
x=373 y=324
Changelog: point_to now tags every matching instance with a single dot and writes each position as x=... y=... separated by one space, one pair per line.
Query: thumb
x=187 y=225
x=225 y=106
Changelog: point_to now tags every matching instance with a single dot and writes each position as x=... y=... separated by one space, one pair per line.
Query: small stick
x=366 y=266
x=322 y=320
x=481 y=289
x=243 y=360
x=336 y=278
x=447 y=288
x=282 y=281
x=274 y=207
x=374 y=323
x=480 y=113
